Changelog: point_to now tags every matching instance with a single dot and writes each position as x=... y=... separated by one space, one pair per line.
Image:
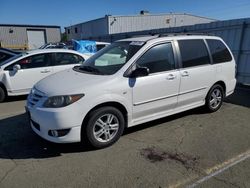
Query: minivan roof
x=176 y=36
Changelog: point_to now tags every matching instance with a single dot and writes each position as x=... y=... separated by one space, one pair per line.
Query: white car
x=19 y=73
x=130 y=82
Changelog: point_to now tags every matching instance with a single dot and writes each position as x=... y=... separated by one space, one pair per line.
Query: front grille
x=34 y=97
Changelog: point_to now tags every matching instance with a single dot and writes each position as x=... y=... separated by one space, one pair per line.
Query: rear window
x=193 y=53
x=219 y=51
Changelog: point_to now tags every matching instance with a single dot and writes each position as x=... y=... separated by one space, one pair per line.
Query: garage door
x=35 y=39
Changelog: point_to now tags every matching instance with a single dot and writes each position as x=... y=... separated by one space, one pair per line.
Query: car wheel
x=214 y=98
x=104 y=127
x=2 y=94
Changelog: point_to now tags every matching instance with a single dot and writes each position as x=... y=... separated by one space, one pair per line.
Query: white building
x=109 y=24
x=28 y=36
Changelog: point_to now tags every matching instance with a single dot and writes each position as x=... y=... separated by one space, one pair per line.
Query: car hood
x=69 y=82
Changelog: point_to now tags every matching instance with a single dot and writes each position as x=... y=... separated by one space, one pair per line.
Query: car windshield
x=11 y=59
x=110 y=59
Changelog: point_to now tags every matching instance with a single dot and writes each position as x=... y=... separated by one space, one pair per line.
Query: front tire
x=2 y=94
x=104 y=127
x=214 y=98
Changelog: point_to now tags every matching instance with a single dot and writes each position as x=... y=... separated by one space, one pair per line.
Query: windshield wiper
x=89 y=69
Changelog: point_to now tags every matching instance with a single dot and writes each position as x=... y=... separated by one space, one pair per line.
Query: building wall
x=122 y=24
x=15 y=37
x=53 y=34
x=94 y=28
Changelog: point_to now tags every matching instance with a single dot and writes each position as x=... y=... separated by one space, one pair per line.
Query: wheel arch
x=223 y=85
x=114 y=104
x=4 y=88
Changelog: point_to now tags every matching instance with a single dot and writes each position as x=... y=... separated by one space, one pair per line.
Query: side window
x=193 y=53
x=100 y=46
x=158 y=59
x=4 y=56
x=219 y=51
x=67 y=59
x=35 y=61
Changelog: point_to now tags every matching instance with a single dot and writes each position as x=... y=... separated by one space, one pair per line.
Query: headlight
x=61 y=101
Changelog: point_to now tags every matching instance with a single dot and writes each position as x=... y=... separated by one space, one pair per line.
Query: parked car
x=59 y=45
x=130 y=82
x=19 y=73
x=6 y=54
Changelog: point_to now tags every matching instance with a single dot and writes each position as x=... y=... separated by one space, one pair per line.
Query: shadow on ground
x=16 y=98
x=18 y=141
x=241 y=97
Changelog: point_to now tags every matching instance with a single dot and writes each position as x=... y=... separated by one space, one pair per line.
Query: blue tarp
x=84 y=46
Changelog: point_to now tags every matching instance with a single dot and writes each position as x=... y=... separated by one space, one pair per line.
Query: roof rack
x=170 y=34
x=183 y=33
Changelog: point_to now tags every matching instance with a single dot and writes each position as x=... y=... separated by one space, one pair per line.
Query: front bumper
x=43 y=120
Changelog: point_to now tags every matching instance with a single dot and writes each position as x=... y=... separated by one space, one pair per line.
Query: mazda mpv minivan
x=130 y=82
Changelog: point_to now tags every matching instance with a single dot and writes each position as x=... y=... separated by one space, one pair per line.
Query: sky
x=69 y=12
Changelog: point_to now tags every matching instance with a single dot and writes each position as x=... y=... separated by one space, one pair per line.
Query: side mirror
x=139 y=72
x=16 y=67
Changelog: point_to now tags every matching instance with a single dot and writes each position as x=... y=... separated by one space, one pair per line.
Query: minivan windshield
x=110 y=59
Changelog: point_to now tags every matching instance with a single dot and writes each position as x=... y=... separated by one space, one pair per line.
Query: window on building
x=219 y=51
x=159 y=58
x=193 y=53
x=75 y=29
x=68 y=31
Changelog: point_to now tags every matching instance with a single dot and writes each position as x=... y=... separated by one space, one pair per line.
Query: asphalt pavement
x=190 y=149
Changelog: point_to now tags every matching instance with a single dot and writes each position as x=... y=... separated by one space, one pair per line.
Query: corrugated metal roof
x=162 y=14
x=23 y=25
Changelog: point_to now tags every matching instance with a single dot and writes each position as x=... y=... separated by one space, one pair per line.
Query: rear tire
x=104 y=127
x=214 y=98
x=2 y=94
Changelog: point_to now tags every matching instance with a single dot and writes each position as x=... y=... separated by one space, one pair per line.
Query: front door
x=33 y=69
x=156 y=94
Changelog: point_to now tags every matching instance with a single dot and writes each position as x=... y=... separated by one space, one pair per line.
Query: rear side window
x=193 y=53
x=67 y=59
x=158 y=59
x=219 y=51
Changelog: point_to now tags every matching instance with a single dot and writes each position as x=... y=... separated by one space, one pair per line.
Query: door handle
x=184 y=74
x=171 y=77
x=45 y=71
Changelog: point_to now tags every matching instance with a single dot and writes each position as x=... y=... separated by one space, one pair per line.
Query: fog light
x=54 y=133
x=58 y=133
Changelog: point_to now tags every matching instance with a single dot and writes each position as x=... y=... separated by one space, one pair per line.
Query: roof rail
x=145 y=35
x=182 y=33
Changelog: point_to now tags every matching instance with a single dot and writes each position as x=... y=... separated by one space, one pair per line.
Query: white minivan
x=130 y=82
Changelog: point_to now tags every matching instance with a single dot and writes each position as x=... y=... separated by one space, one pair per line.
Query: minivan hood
x=68 y=82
